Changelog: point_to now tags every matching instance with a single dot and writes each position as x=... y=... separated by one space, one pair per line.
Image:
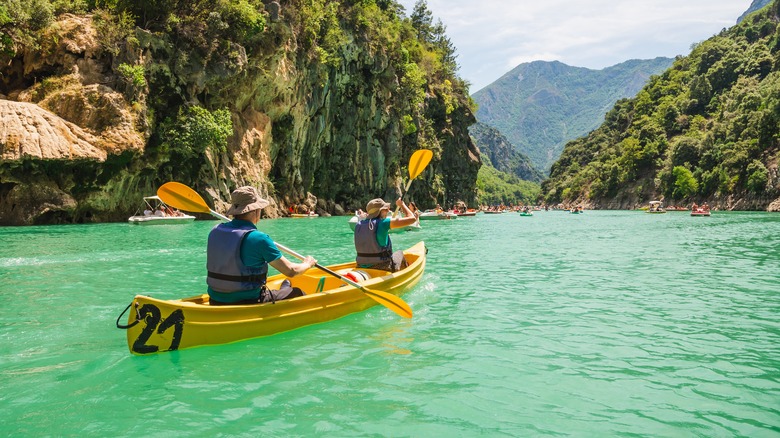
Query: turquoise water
x=601 y=324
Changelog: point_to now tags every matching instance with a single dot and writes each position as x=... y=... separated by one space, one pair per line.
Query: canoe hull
x=165 y=325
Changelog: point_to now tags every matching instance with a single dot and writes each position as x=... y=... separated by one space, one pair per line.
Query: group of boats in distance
x=156 y=212
x=657 y=207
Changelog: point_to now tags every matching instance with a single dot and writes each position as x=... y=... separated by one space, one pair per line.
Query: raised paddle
x=417 y=163
x=184 y=198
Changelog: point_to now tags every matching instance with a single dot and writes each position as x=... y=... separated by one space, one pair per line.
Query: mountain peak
x=540 y=105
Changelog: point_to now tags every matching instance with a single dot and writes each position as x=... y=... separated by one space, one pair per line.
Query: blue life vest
x=369 y=252
x=226 y=272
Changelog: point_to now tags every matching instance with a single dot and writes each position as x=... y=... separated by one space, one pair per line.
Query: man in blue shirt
x=372 y=239
x=238 y=255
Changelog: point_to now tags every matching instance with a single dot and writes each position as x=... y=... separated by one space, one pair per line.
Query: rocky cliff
x=502 y=153
x=97 y=113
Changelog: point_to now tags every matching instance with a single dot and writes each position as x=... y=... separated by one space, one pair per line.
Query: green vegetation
x=706 y=128
x=495 y=187
x=197 y=129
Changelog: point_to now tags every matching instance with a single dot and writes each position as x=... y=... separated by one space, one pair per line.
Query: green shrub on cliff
x=195 y=130
x=21 y=23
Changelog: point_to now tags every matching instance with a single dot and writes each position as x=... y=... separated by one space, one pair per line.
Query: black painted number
x=151 y=316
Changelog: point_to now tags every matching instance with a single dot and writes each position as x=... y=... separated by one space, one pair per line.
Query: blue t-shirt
x=257 y=249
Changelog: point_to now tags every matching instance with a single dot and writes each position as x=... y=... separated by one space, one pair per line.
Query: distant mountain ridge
x=756 y=5
x=503 y=155
x=541 y=105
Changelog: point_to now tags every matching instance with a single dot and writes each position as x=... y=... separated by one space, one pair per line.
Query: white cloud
x=494 y=36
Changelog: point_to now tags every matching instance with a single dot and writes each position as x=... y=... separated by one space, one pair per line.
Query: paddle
x=417 y=163
x=184 y=198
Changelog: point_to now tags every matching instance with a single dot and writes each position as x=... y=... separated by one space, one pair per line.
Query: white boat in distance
x=161 y=214
x=428 y=215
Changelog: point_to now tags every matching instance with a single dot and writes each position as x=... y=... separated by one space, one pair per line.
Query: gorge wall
x=98 y=114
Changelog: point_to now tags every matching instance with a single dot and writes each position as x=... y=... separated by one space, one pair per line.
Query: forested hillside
x=312 y=101
x=502 y=154
x=539 y=106
x=706 y=129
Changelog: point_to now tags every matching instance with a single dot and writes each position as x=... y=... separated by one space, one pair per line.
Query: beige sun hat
x=245 y=199
x=375 y=206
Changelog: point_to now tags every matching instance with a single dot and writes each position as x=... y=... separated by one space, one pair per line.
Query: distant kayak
x=304 y=215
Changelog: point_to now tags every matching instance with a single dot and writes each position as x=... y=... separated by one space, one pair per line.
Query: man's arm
x=291 y=269
x=408 y=219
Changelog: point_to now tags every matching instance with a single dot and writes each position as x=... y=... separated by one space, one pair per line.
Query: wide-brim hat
x=375 y=206
x=245 y=199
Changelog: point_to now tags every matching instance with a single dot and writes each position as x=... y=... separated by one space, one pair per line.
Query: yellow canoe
x=156 y=326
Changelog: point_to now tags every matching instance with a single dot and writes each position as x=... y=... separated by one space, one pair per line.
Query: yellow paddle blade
x=418 y=162
x=179 y=196
x=392 y=302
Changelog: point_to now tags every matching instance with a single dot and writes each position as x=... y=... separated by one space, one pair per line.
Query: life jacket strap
x=375 y=254
x=237 y=278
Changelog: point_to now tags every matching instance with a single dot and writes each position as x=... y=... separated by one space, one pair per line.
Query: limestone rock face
x=29 y=131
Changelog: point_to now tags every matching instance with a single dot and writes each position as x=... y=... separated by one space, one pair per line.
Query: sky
x=494 y=36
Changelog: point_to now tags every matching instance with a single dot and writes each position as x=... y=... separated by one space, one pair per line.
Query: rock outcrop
x=31 y=132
